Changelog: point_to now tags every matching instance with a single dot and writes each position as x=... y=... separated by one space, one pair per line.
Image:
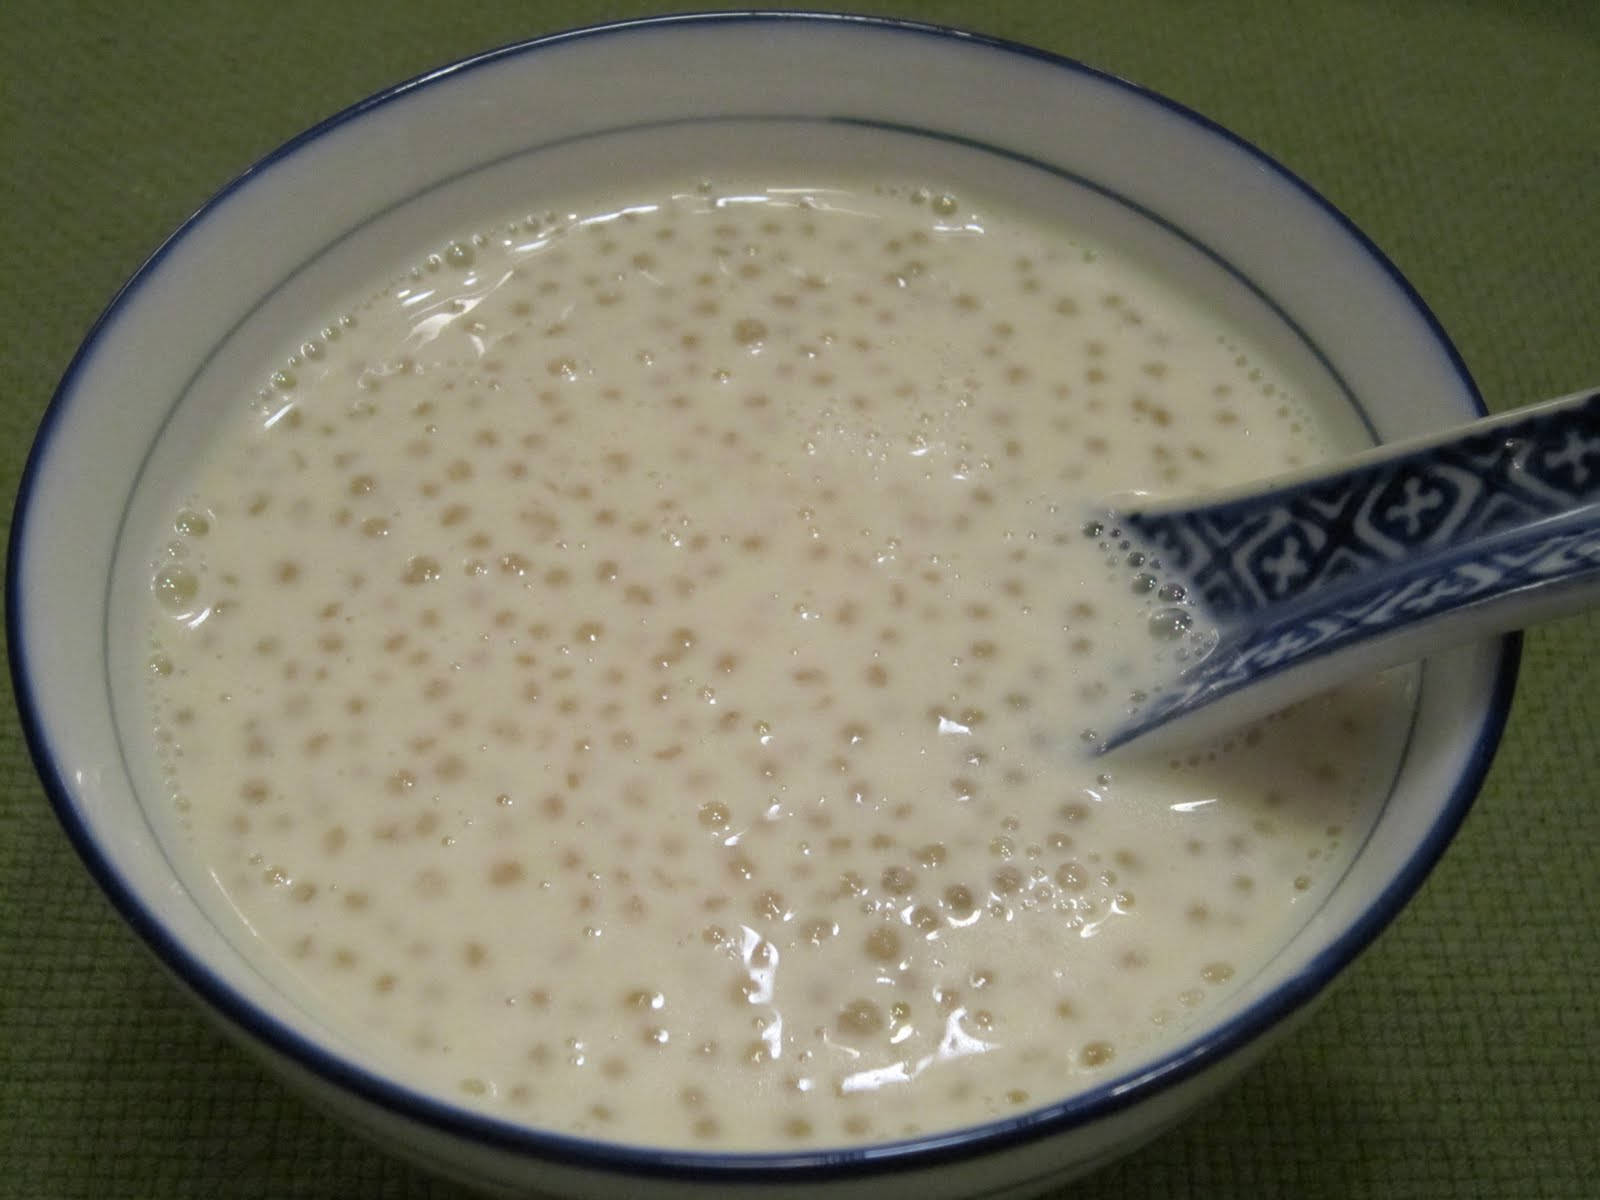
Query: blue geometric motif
x=1406 y=536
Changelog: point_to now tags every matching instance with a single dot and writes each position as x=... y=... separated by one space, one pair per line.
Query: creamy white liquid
x=631 y=673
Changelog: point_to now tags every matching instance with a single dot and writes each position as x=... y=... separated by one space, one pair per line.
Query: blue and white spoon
x=1303 y=582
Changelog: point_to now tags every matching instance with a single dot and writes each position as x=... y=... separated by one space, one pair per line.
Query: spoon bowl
x=1301 y=583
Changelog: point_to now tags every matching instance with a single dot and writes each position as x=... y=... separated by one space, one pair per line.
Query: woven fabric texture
x=1458 y=1057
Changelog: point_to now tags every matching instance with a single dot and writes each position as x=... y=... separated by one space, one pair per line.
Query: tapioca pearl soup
x=643 y=655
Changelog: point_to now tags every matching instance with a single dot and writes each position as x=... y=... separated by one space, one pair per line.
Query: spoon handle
x=1395 y=554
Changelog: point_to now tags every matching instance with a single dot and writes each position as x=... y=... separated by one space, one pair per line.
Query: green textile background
x=1457 y=1058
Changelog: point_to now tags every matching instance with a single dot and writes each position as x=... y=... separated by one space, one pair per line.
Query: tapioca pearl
x=959 y=901
x=419 y=569
x=507 y=873
x=1073 y=877
x=798 y=1128
x=770 y=905
x=898 y=880
x=861 y=1018
x=883 y=945
x=1096 y=1054
x=1007 y=881
x=818 y=930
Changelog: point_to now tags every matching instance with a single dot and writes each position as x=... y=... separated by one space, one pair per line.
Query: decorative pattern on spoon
x=1391 y=555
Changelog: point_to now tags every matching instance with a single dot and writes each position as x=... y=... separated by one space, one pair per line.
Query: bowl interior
x=308 y=227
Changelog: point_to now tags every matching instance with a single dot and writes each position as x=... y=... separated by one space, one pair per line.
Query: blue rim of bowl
x=643 y=1161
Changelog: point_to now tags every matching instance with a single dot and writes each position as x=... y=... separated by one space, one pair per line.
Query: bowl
x=157 y=371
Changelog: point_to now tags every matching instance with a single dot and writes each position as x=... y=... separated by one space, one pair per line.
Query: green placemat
x=1458 y=1057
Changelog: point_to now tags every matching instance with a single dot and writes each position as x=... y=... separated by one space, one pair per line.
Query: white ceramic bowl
x=312 y=219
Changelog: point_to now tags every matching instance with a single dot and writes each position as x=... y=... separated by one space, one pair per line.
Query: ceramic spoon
x=1293 y=586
